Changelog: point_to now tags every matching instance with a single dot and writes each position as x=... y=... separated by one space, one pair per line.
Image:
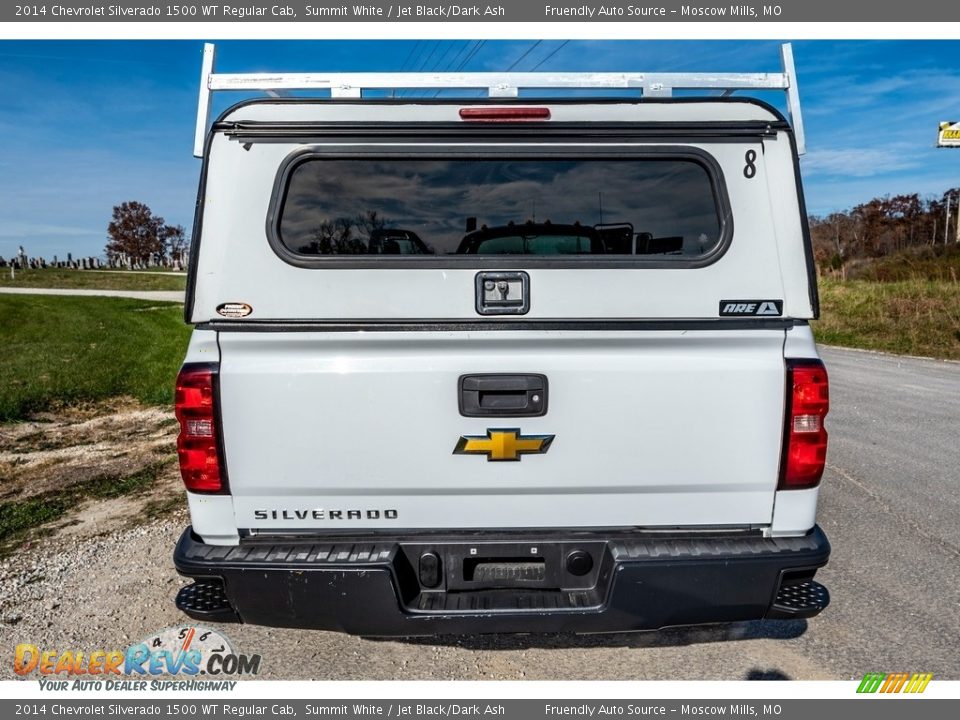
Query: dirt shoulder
x=91 y=505
x=80 y=471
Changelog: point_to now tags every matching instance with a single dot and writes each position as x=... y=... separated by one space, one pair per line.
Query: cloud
x=32 y=230
x=856 y=162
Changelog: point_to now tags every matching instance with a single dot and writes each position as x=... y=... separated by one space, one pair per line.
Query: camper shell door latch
x=503 y=293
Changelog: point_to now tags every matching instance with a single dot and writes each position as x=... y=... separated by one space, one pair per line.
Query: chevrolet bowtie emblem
x=502 y=444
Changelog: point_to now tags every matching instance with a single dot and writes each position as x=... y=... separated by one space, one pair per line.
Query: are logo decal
x=751 y=308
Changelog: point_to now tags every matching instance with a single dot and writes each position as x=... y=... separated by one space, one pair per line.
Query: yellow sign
x=949 y=134
x=503 y=444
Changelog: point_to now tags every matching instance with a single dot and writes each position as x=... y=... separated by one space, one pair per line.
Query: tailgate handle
x=503 y=395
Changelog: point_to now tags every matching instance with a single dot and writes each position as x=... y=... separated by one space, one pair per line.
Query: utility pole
x=946 y=222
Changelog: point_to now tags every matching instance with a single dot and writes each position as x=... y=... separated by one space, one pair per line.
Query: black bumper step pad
x=799 y=600
x=206 y=600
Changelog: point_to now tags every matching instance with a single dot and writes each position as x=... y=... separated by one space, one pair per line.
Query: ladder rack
x=505 y=84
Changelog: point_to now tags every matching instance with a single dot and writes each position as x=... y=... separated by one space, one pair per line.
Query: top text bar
x=539 y=11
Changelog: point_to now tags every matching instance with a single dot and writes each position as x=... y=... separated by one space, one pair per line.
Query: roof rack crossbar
x=505 y=84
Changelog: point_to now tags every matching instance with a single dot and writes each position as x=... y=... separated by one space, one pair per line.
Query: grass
x=155 y=509
x=112 y=486
x=911 y=317
x=19 y=517
x=91 y=280
x=939 y=263
x=65 y=350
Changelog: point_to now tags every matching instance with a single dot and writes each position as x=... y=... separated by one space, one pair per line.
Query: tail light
x=804 y=437
x=198 y=446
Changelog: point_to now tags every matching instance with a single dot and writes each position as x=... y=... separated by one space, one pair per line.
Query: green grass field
x=911 y=317
x=63 y=350
x=91 y=280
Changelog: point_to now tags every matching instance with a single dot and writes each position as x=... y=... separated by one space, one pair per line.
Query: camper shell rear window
x=666 y=209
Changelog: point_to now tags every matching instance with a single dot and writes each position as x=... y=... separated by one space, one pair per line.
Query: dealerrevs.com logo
x=178 y=652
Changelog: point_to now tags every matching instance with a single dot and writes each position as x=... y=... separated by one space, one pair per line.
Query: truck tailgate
x=658 y=428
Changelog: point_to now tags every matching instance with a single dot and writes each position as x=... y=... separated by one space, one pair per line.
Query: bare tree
x=175 y=238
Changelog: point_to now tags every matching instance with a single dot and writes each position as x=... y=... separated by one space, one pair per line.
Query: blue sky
x=89 y=124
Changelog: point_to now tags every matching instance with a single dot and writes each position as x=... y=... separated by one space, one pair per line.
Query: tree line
x=884 y=226
x=879 y=227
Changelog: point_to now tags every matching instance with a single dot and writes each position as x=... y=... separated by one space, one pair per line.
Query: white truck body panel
x=645 y=435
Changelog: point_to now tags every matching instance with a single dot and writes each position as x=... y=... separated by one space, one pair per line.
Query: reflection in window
x=388 y=207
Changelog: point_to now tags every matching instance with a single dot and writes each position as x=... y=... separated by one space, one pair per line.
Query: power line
x=416 y=58
x=529 y=50
x=436 y=65
x=558 y=49
x=464 y=49
x=409 y=55
x=470 y=57
x=436 y=44
x=420 y=46
x=456 y=57
x=413 y=49
x=423 y=65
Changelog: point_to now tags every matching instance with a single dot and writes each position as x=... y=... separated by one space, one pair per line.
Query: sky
x=87 y=125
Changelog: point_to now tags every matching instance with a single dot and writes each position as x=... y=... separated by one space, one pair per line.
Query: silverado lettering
x=321 y=514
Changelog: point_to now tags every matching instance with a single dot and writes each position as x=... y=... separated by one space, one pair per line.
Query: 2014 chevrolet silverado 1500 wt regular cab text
x=510 y=364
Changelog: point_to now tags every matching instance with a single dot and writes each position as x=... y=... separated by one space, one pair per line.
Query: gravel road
x=889 y=504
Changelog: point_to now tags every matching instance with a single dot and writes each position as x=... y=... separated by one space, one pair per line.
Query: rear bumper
x=502 y=582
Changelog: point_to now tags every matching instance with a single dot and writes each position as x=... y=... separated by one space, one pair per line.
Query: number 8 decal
x=750 y=170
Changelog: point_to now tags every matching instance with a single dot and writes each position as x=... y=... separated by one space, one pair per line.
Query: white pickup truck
x=501 y=365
